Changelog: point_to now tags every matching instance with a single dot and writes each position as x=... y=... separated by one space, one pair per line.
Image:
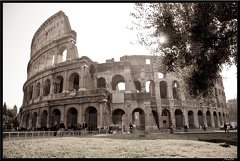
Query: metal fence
x=24 y=135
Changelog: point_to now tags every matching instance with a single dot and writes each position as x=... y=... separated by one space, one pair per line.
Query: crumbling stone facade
x=63 y=86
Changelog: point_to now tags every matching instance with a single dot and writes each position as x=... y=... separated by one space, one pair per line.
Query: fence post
x=38 y=134
x=9 y=136
x=32 y=134
x=18 y=135
x=25 y=135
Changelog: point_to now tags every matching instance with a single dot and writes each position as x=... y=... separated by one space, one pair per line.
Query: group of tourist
x=77 y=129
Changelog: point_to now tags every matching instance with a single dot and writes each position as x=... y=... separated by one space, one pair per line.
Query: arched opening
x=220 y=118
x=138 y=118
x=91 y=117
x=64 y=55
x=92 y=70
x=30 y=92
x=37 y=90
x=190 y=119
x=175 y=90
x=208 y=115
x=117 y=116
x=74 y=82
x=101 y=83
x=72 y=114
x=150 y=87
x=46 y=87
x=163 y=89
x=215 y=119
x=34 y=120
x=200 y=118
x=118 y=82
x=56 y=116
x=166 y=119
x=224 y=117
x=179 y=118
x=44 y=119
x=58 y=88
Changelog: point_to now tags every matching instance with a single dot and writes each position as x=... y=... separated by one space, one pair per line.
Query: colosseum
x=61 y=86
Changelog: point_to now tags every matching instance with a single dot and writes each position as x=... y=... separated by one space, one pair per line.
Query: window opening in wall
x=148 y=61
x=121 y=86
x=53 y=59
x=64 y=55
x=147 y=86
x=160 y=75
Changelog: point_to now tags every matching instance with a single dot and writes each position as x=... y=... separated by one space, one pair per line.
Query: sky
x=101 y=34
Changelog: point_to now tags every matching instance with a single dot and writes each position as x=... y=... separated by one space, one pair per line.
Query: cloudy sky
x=101 y=34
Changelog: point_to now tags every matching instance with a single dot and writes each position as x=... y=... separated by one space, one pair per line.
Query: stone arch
x=63 y=53
x=72 y=115
x=137 y=85
x=138 y=118
x=34 y=120
x=190 y=119
x=46 y=87
x=215 y=119
x=116 y=80
x=101 y=82
x=179 y=118
x=91 y=117
x=58 y=88
x=208 y=115
x=56 y=116
x=37 y=90
x=200 y=118
x=175 y=89
x=163 y=89
x=150 y=87
x=166 y=119
x=44 y=119
x=73 y=82
x=117 y=115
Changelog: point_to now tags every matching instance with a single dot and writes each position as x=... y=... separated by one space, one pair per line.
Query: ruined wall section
x=53 y=43
x=52 y=29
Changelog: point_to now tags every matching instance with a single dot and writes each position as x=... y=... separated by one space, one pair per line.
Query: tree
x=4 y=111
x=200 y=39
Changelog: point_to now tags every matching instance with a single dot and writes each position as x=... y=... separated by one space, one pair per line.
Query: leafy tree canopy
x=200 y=39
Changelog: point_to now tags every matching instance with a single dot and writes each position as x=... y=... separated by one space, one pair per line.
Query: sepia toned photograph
x=120 y=80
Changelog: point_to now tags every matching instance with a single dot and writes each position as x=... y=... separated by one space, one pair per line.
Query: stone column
x=158 y=102
x=81 y=79
x=173 y=120
x=80 y=114
x=205 y=119
x=101 y=105
x=65 y=82
x=212 y=119
x=185 y=117
x=169 y=90
x=196 y=122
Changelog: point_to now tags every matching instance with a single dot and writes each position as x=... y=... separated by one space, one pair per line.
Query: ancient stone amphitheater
x=61 y=86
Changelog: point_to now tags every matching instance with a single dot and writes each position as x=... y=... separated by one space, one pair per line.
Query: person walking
x=55 y=128
x=62 y=128
x=131 y=128
x=225 y=127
